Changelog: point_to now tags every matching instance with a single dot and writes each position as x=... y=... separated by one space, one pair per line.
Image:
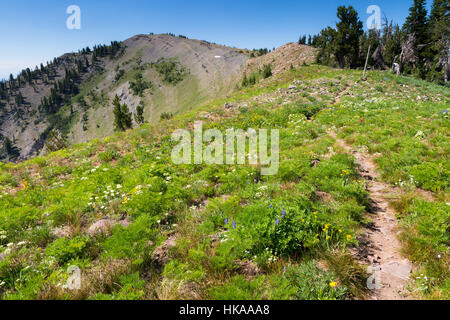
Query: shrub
x=171 y=70
x=166 y=116
x=140 y=85
x=109 y=155
x=64 y=250
x=312 y=283
x=133 y=242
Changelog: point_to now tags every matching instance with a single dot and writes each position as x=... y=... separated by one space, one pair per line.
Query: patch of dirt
x=379 y=246
x=337 y=99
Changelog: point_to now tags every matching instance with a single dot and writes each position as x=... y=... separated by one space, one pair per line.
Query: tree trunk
x=365 y=66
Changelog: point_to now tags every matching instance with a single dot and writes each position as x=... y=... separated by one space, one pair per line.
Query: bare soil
x=379 y=246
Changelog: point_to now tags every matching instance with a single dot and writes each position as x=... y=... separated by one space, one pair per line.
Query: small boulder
x=104 y=225
x=161 y=254
x=248 y=268
x=228 y=105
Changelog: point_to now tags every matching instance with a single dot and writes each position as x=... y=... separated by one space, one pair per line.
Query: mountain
x=175 y=74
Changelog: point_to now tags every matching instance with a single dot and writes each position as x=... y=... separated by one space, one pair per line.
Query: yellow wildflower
x=333 y=284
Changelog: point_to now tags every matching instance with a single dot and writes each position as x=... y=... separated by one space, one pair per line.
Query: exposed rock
x=228 y=105
x=63 y=231
x=161 y=254
x=324 y=196
x=248 y=268
x=104 y=225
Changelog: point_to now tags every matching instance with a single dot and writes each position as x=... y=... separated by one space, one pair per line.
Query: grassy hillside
x=140 y=227
x=203 y=71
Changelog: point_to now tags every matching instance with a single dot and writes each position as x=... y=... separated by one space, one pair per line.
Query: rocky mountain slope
x=206 y=71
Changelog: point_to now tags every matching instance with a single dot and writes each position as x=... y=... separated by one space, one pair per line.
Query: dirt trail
x=337 y=99
x=379 y=246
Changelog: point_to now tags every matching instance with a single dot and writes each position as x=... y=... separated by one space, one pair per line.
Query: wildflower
x=283 y=213
x=333 y=284
x=125 y=200
x=278 y=221
x=234 y=224
x=226 y=221
x=349 y=237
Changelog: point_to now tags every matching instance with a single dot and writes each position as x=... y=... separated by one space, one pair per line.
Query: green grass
x=281 y=224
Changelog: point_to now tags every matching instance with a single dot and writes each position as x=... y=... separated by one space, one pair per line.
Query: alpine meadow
x=167 y=168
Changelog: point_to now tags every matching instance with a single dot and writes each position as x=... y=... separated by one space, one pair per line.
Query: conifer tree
x=122 y=115
x=139 y=115
x=417 y=25
x=349 y=30
x=439 y=27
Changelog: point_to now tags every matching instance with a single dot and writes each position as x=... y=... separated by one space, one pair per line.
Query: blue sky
x=35 y=31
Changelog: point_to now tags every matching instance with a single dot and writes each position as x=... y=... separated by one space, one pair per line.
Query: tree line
x=420 y=47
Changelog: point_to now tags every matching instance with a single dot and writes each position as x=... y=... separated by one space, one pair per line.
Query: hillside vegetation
x=140 y=227
x=72 y=95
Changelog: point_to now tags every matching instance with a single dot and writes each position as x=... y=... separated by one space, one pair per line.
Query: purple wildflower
x=278 y=221
x=226 y=221
x=283 y=214
x=234 y=224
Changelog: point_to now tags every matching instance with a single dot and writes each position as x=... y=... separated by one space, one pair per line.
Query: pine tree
x=349 y=30
x=416 y=24
x=139 y=115
x=392 y=43
x=439 y=26
x=302 y=40
x=245 y=80
x=122 y=115
x=11 y=82
x=326 y=42
x=12 y=151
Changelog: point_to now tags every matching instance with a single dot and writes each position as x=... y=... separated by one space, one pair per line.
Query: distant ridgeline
x=54 y=84
x=70 y=99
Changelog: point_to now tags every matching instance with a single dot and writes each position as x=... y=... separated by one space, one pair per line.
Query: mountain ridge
x=24 y=124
